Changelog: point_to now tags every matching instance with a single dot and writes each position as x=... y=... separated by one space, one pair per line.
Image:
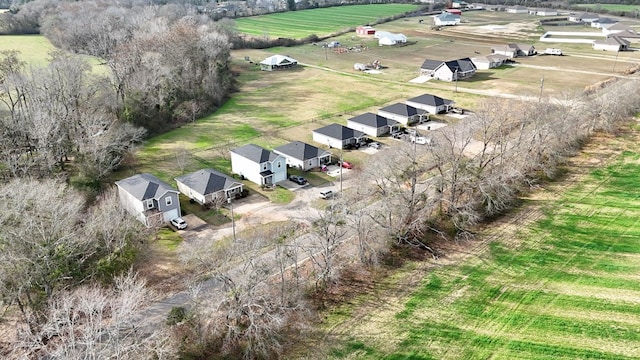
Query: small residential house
x=603 y=23
x=455 y=70
x=259 y=165
x=429 y=66
x=303 y=156
x=388 y=39
x=431 y=103
x=616 y=28
x=403 y=113
x=543 y=12
x=611 y=43
x=149 y=199
x=338 y=136
x=514 y=50
x=278 y=62
x=446 y=19
x=365 y=30
x=373 y=124
x=585 y=17
x=518 y=9
x=489 y=61
x=208 y=186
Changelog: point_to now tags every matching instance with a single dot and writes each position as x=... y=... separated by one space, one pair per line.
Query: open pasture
x=323 y=21
x=610 y=7
x=34 y=49
x=559 y=280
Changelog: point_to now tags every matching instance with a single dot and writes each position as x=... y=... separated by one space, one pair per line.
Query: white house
x=373 y=124
x=259 y=165
x=615 y=28
x=585 y=17
x=489 y=61
x=338 y=136
x=603 y=23
x=543 y=12
x=517 y=10
x=611 y=43
x=455 y=70
x=514 y=50
x=149 y=199
x=403 y=113
x=303 y=156
x=387 y=38
x=208 y=186
x=278 y=62
x=431 y=103
x=446 y=19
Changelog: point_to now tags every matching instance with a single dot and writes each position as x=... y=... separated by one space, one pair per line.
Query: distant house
x=387 y=38
x=452 y=70
x=585 y=17
x=259 y=165
x=431 y=103
x=457 y=12
x=543 y=12
x=611 y=43
x=338 y=136
x=446 y=19
x=208 y=186
x=517 y=10
x=403 y=113
x=303 y=156
x=365 y=30
x=373 y=124
x=278 y=62
x=514 y=50
x=429 y=66
x=603 y=23
x=489 y=61
x=615 y=28
x=149 y=199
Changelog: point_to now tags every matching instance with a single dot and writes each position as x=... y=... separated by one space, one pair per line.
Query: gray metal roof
x=208 y=181
x=255 y=153
x=145 y=186
x=373 y=120
x=402 y=109
x=338 y=131
x=430 y=100
x=301 y=151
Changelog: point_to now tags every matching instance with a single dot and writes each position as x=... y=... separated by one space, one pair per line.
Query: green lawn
x=609 y=7
x=324 y=21
x=34 y=49
x=565 y=288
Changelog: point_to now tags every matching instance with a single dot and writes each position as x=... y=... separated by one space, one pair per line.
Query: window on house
x=279 y=164
x=149 y=204
x=264 y=166
x=168 y=201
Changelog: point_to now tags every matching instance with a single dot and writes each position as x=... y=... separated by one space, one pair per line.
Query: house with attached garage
x=514 y=50
x=258 y=164
x=149 y=199
x=431 y=103
x=611 y=43
x=403 y=113
x=278 y=62
x=208 y=186
x=338 y=136
x=303 y=156
x=373 y=124
x=489 y=61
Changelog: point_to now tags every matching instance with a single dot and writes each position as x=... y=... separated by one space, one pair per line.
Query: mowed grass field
x=34 y=49
x=324 y=21
x=559 y=281
x=610 y=7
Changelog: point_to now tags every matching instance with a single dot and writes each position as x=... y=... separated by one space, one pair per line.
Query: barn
x=365 y=30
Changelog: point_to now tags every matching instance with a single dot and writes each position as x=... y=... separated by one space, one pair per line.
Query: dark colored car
x=298 y=179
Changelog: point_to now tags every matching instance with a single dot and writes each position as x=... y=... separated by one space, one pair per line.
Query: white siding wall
x=245 y=167
x=399 y=118
x=428 y=108
x=132 y=205
x=279 y=172
x=190 y=193
x=369 y=130
x=443 y=73
x=325 y=140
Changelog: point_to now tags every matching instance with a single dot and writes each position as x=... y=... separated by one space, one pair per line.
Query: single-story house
x=403 y=113
x=338 y=136
x=387 y=38
x=149 y=199
x=303 y=156
x=457 y=12
x=365 y=30
x=518 y=9
x=373 y=124
x=278 y=62
x=429 y=66
x=514 y=50
x=616 y=28
x=585 y=17
x=543 y=12
x=259 y=165
x=455 y=70
x=431 y=103
x=611 y=43
x=603 y=22
x=208 y=186
x=489 y=61
x=446 y=19
x=628 y=35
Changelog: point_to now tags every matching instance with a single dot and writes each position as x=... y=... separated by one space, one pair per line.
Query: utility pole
x=541 y=87
x=341 y=170
x=616 y=60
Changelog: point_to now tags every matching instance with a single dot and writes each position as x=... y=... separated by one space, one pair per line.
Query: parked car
x=298 y=179
x=179 y=223
x=375 y=145
x=326 y=194
x=420 y=140
x=345 y=164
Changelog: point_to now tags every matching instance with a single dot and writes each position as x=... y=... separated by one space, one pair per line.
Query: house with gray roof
x=403 y=113
x=303 y=156
x=429 y=66
x=338 y=136
x=259 y=165
x=149 y=199
x=278 y=62
x=513 y=50
x=431 y=103
x=446 y=19
x=373 y=124
x=603 y=22
x=611 y=43
x=209 y=186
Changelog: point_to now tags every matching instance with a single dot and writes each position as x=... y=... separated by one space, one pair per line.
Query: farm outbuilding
x=365 y=30
x=388 y=39
x=278 y=62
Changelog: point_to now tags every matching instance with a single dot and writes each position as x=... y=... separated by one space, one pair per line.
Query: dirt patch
x=162 y=269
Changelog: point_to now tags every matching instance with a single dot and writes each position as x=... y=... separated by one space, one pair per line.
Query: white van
x=326 y=194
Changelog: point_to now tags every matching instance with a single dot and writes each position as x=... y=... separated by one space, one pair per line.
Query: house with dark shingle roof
x=373 y=124
x=338 y=136
x=303 y=156
x=149 y=199
x=258 y=164
x=431 y=103
x=429 y=66
x=611 y=43
x=208 y=186
x=449 y=70
x=403 y=113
